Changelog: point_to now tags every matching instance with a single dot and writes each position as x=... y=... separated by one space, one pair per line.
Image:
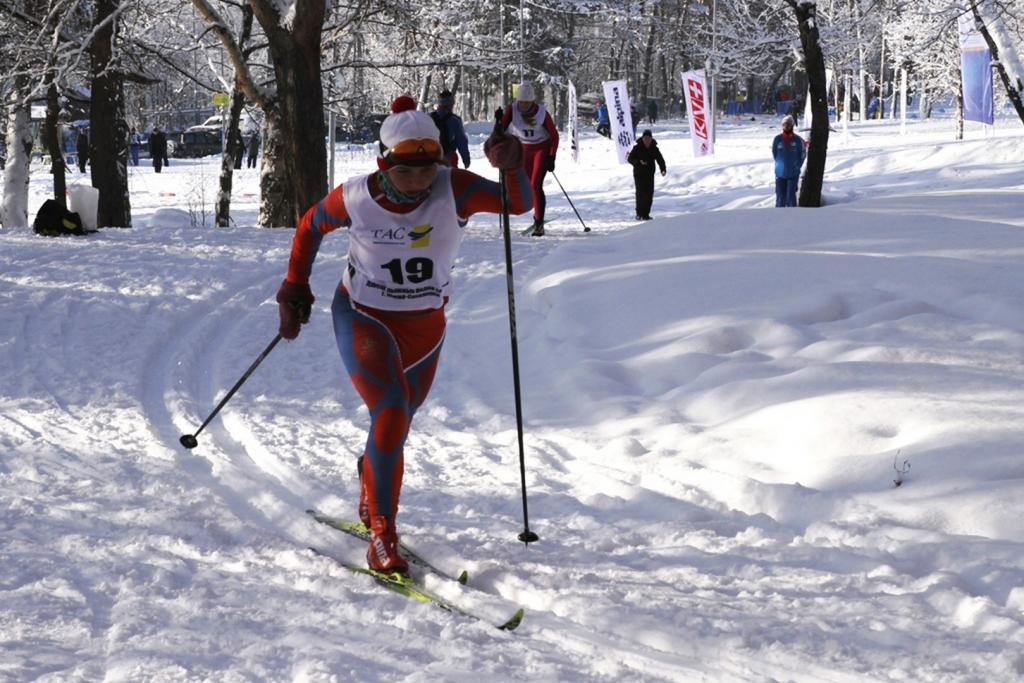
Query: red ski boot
x=383 y=555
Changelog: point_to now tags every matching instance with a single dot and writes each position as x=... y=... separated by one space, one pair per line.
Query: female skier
x=405 y=225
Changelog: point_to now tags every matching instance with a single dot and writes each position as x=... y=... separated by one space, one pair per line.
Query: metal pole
x=330 y=150
x=526 y=536
x=585 y=228
x=189 y=440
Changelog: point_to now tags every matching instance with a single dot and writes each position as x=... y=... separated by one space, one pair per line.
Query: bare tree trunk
x=959 y=106
x=814 y=61
x=108 y=131
x=880 y=114
x=276 y=191
x=295 y=123
x=645 y=77
x=19 y=157
x=665 y=89
x=773 y=84
x=52 y=136
x=425 y=90
x=232 y=149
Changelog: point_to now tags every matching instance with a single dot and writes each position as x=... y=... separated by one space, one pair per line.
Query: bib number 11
x=414 y=270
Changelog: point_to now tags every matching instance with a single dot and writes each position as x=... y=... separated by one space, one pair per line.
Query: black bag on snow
x=52 y=221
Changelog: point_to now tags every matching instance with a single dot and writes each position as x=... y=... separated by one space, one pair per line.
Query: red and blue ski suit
x=537 y=131
x=390 y=346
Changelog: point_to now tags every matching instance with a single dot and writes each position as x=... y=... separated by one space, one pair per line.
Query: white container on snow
x=84 y=200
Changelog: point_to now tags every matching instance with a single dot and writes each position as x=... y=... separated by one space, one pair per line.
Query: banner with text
x=617 y=99
x=574 y=130
x=696 y=89
x=976 y=72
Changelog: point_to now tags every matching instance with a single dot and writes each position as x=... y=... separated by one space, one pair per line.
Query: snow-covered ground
x=715 y=406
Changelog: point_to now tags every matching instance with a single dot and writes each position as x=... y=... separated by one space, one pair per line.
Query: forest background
x=293 y=70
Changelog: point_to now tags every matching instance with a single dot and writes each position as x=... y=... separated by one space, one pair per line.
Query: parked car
x=212 y=123
x=198 y=142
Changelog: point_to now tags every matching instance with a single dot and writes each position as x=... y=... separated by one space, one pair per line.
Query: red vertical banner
x=695 y=87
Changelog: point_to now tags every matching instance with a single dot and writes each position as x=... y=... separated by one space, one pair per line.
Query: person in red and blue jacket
x=788 y=151
x=535 y=128
x=405 y=224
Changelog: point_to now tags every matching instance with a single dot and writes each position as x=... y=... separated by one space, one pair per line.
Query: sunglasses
x=415 y=152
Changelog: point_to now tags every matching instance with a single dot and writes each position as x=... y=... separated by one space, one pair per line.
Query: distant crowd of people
x=77 y=149
x=650 y=111
x=529 y=122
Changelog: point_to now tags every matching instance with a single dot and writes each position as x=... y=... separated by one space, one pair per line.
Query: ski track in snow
x=709 y=474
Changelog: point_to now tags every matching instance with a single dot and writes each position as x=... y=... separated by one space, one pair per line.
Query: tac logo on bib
x=420 y=236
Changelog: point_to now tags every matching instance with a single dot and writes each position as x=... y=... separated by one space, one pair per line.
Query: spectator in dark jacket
x=644 y=155
x=453 y=133
x=238 y=144
x=158 y=148
x=788 y=152
x=652 y=110
x=82 y=147
x=254 y=149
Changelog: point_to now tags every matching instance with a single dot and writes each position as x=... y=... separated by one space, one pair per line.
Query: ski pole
x=526 y=536
x=189 y=440
x=585 y=228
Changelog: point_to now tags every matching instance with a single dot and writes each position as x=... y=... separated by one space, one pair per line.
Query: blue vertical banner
x=975 y=72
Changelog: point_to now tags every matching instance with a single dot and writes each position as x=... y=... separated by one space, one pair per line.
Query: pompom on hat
x=408 y=137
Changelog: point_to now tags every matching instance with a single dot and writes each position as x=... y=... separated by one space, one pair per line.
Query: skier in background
x=533 y=125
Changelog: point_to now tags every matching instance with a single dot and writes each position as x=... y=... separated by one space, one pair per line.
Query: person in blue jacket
x=604 y=124
x=788 y=152
x=453 y=134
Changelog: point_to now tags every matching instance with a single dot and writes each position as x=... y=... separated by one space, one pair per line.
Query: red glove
x=295 y=303
x=504 y=151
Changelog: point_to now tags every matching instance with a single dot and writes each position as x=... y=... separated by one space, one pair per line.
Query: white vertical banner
x=696 y=89
x=848 y=81
x=903 y=101
x=574 y=130
x=976 y=72
x=617 y=99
